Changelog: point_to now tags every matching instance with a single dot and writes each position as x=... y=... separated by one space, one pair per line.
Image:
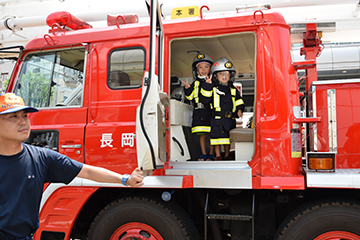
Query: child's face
x=203 y=68
x=223 y=77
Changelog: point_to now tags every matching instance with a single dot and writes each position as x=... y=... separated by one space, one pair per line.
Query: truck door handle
x=71 y=146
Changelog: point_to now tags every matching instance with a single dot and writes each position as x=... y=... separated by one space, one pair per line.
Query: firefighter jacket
x=226 y=102
x=202 y=112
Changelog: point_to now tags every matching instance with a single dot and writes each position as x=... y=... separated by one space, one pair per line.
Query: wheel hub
x=136 y=231
x=338 y=235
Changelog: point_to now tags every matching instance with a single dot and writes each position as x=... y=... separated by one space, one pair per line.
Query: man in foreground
x=24 y=169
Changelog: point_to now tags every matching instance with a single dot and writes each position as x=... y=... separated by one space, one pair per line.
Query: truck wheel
x=326 y=220
x=142 y=218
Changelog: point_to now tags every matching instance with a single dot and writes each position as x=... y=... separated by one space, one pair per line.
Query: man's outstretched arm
x=104 y=175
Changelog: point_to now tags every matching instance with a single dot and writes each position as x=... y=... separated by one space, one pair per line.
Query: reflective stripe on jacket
x=216 y=102
x=195 y=93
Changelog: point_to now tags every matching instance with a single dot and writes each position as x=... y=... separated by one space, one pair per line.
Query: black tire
x=322 y=220
x=142 y=217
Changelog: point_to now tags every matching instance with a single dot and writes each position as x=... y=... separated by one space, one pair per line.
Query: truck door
x=150 y=117
x=115 y=85
x=53 y=81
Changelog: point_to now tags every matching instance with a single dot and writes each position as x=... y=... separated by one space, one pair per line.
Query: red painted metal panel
x=281 y=183
x=276 y=96
x=111 y=111
x=62 y=208
x=347 y=122
x=188 y=182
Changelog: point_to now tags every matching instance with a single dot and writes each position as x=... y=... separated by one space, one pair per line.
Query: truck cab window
x=126 y=68
x=52 y=79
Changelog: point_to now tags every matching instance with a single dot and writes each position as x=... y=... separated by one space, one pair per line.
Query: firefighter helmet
x=201 y=57
x=223 y=64
x=178 y=94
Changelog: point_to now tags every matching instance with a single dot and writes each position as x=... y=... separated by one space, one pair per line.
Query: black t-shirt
x=22 y=177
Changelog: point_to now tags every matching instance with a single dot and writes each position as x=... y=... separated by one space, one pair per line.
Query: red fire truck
x=111 y=97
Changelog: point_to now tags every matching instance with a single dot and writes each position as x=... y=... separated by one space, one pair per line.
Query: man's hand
x=104 y=175
x=240 y=113
x=136 y=178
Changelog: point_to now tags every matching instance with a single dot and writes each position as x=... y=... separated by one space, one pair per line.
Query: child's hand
x=208 y=79
x=240 y=113
x=186 y=84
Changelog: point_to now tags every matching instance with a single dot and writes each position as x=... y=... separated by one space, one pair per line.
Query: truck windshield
x=52 y=79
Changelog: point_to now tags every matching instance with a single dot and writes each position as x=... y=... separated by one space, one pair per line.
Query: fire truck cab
x=111 y=97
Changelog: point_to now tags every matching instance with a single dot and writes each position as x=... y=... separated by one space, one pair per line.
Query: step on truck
x=107 y=97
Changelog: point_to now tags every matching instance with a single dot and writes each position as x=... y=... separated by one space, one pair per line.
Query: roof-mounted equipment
x=66 y=21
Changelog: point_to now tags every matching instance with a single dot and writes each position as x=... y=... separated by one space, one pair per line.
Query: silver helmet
x=178 y=94
x=223 y=64
x=201 y=57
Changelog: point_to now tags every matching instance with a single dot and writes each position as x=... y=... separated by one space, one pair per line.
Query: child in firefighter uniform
x=201 y=67
x=226 y=102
